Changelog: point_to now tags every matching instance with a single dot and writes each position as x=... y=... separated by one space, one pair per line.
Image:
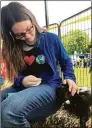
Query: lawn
x=84 y=78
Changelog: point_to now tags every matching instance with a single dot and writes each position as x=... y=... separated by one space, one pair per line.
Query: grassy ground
x=83 y=76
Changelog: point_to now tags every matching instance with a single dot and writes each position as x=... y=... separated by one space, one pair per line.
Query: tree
x=76 y=40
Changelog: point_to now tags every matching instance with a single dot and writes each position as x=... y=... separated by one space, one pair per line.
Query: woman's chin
x=30 y=41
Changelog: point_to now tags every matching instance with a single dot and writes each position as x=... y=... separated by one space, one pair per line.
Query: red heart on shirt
x=29 y=60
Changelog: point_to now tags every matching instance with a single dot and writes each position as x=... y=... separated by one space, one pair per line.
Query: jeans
x=21 y=107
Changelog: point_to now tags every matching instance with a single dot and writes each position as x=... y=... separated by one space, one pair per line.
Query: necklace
x=29 y=44
x=34 y=45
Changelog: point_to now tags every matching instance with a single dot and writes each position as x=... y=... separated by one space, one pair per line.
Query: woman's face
x=24 y=30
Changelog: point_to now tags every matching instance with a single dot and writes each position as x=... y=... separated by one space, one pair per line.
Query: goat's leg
x=83 y=120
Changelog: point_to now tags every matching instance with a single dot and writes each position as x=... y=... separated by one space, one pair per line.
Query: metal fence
x=75 y=33
x=54 y=28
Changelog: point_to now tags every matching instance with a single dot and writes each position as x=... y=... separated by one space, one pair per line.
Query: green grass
x=83 y=77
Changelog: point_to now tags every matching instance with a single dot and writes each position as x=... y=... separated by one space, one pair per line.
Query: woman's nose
x=27 y=36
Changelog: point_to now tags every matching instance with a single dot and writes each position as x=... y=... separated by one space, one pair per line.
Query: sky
x=57 y=10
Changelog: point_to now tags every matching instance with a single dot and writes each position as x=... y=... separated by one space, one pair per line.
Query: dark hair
x=12 y=49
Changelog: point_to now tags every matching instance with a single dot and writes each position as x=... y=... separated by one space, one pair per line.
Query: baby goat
x=79 y=104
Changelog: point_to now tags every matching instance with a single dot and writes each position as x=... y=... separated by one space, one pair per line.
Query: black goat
x=79 y=104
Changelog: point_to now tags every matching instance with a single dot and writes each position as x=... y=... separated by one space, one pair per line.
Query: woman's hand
x=31 y=80
x=73 y=88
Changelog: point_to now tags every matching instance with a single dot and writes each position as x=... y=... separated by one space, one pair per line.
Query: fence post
x=59 y=31
x=46 y=14
x=91 y=68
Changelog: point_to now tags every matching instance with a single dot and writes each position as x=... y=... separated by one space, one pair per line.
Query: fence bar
x=46 y=14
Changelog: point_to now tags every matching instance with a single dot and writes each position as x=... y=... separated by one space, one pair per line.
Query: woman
x=31 y=55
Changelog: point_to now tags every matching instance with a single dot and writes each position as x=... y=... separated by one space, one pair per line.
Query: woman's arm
x=27 y=81
x=64 y=59
x=66 y=66
x=18 y=81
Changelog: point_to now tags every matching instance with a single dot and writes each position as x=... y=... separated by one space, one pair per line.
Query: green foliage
x=76 y=40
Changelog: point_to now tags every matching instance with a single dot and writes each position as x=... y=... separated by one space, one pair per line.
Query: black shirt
x=36 y=64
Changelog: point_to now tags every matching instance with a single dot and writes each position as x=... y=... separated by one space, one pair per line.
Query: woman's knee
x=10 y=117
x=5 y=116
x=11 y=106
x=5 y=91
